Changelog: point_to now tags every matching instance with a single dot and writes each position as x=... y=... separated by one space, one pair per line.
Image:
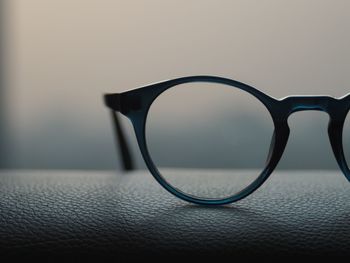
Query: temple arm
x=112 y=101
x=121 y=143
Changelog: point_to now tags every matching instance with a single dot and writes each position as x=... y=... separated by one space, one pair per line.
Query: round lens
x=208 y=140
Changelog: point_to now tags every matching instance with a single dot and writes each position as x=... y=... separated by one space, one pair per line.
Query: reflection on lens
x=208 y=140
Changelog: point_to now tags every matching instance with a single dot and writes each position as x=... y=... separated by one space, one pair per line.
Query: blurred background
x=59 y=56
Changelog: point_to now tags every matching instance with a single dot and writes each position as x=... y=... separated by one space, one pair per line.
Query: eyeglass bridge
x=304 y=103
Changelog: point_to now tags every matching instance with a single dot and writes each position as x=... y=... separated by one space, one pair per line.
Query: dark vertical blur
x=3 y=143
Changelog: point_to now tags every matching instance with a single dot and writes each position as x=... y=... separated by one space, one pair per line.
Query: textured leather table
x=105 y=213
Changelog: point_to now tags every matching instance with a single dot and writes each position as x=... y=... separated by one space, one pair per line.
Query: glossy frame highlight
x=135 y=104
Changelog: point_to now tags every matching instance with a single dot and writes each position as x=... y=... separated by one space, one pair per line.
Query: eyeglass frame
x=135 y=104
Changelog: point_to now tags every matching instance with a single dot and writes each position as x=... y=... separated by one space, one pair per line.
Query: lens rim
x=138 y=104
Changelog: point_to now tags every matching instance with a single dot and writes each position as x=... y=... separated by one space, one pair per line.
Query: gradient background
x=60 y=56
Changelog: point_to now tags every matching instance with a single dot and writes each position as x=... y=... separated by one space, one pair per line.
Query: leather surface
x=110 y=214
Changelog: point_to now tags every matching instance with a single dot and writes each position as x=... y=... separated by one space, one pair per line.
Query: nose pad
x=335 y=133
x=277 y=145
x=272 y=146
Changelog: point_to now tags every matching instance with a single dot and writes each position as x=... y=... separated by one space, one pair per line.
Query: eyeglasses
x=198 y=102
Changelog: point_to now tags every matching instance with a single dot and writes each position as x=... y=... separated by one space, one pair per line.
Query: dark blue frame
x=135 y=105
